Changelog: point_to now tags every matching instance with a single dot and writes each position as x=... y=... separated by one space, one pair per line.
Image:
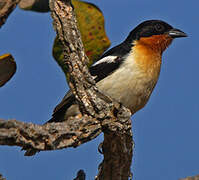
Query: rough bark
x=115 y=121
x=6 y=7
x=99 y=113
x=49 y=136
x=118 y=150
x=191 y=178
x=80 y=82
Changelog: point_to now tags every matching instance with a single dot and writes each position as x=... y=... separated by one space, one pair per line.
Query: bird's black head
x=154 y=27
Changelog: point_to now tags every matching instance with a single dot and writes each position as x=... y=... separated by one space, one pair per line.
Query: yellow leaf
x=7 y=68
x=91 y=25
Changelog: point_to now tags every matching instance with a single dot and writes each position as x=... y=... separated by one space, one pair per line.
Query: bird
x=129 y=71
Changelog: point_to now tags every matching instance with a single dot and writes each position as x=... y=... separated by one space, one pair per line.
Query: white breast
x=129 y=85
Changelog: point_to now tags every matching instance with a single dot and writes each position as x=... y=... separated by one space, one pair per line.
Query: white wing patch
x=107 y=59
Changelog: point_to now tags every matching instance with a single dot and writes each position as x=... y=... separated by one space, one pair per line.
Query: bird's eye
x=159 y=27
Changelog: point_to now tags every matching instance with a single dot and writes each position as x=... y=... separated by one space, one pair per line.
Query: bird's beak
x=176 y=33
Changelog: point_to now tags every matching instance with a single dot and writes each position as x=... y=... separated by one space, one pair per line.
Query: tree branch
x=80 y=81
x=117 y=145
x=6 y=7
x=191 y=178
x=50 y=136
x=99 y=113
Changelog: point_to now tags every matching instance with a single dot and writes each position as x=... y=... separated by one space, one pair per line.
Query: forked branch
x=99 y=113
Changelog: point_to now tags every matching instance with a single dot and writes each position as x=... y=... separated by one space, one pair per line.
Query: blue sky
x=165 y=131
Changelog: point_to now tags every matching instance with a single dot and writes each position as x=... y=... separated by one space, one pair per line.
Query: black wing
x=105 y=68
x=109 y=62
x=61 y=108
